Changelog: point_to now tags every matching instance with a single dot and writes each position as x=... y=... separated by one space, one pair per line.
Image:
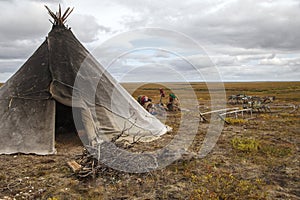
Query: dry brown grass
x=233 y=170
x=285 y=91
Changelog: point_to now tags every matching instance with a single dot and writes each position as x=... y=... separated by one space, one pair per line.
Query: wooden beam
x=223 y=119
x=236 y=111
x=66 y=12
x=59 y=19
x=216 y=111
x=69 y=13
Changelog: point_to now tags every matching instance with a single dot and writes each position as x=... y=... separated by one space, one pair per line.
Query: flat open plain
x=256 y=157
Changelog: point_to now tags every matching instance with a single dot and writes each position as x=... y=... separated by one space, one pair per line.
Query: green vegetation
x=226 y=186
x=275 y=150
x=234 y=121
x=249 y=145
x=245 y=144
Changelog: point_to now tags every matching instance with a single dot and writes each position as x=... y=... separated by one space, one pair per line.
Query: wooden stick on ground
x=74 y=166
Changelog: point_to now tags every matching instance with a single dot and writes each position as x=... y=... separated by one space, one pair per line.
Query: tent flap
x=27 y=126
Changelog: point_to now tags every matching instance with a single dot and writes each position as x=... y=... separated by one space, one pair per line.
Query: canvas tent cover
x=62 y=70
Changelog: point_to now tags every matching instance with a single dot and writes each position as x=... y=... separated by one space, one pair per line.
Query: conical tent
x=60 y=75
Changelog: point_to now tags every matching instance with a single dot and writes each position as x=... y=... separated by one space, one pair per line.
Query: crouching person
x=145 y=101
x=173 y=104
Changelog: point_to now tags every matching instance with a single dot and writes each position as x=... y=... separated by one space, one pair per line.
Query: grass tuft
x=276 y=151
x=246 y=145
x=226 y=186
x=234 y=121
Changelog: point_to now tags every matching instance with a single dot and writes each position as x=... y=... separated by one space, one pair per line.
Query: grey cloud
x=224 y=60
x=10 y=66
x=86 y=27
x=20 y=25
x=235 y=51
x=24 y=25
x=149 y=73
x=243 y=58
x=262 y=73
x=248 y=24
x=4 y=76
x=163 y=69
x=274 y=61
x=162 y=43
x=162 y=54
x=18 y=49
x=281 y=61
x=246 y=73
x=244 y=38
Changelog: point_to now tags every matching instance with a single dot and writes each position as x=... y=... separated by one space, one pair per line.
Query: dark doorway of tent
x=66 y=133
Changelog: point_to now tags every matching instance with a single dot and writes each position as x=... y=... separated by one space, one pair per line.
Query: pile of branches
x=89 y=167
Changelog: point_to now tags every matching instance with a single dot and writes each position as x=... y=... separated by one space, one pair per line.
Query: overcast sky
x=247 y=40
